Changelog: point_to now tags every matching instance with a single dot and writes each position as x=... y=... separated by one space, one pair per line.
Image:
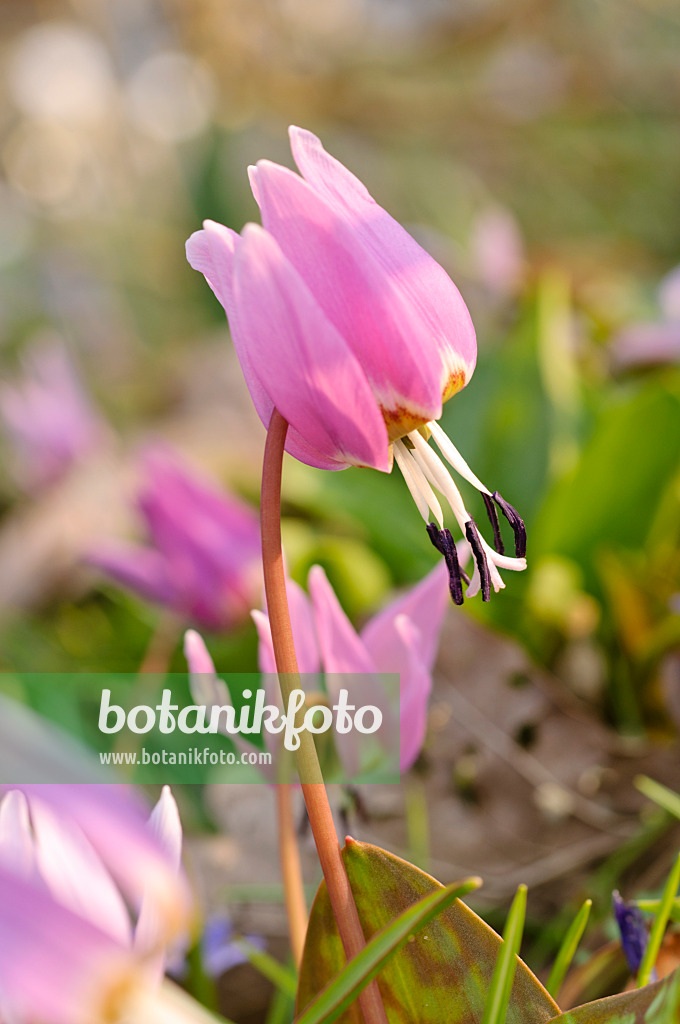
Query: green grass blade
x=653 y=907
x=659 y=927
x=660 y=795
x=355 y=975
x=504 y=972
x=568 y=948
x=282 y=977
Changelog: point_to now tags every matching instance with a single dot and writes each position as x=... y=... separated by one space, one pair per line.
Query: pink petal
x=304 y=364
x=425 y=605
x=449 y=331
x=55 y=967
x=360 y=297
x=141 y=569
x=75 y=874
x=196 y=653
x=304 y=633
x=165 y=826
x=347 y=664
x=113 y=819
x=415 y=686
x=17 y=849
x=646 y=345
x=212 y=252
x=341 y=648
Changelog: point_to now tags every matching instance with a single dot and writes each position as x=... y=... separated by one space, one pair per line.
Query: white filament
x=422 y=464
x=453 y=456
x=421 y=492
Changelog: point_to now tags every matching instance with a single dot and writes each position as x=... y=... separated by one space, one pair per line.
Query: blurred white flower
x=170 y=97
x=61 y=71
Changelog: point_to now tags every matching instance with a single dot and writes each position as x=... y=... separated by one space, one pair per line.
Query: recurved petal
x=303 y=363
x=341 y=648
x=304 y=633
x=429 y=288
x=211 y=251
x=75 y=875
x=425 y=606
x=114 y=821
x=166 y=827
x=415 y=686
x=358 y=293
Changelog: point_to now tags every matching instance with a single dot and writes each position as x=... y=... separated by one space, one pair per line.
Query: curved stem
x=313 y=788
x=296 y=907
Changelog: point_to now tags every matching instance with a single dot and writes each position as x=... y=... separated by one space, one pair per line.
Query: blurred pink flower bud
x=205 y=561
x=654 y=343
x=497 y=251
x=47 y=417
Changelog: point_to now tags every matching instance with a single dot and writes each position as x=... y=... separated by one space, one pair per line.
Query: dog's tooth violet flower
x=343 y=323
x=205 y=561
x=69 y=950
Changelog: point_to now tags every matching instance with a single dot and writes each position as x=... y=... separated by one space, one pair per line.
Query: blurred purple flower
x=219 y=950
x=653 y=343
x=357 y=336
x=68 y=949
x=633 y=930
x=402 y=638
x=205 y=563
x=47 y=417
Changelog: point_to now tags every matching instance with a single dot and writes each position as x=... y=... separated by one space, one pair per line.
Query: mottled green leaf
x=340 y=994
x=654 y=1004
x=441 y=976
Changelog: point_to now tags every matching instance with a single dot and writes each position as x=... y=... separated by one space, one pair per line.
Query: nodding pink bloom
x=343 y=323
x=47 y=417
x=205 y=562
x=402 y=638
x=69 y=951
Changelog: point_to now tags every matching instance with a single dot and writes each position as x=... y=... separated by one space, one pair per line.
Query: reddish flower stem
x=313 y=788
x=291 y=872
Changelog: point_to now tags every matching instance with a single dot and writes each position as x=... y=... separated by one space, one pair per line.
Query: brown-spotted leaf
x=441 y=976
x=654 y=1004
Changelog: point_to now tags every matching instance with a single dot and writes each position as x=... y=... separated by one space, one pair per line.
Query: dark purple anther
x=445 y=545
x=516 y=522
x=472 y=534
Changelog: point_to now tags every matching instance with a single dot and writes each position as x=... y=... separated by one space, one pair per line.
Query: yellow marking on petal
x=456 y=382
x=402 y=421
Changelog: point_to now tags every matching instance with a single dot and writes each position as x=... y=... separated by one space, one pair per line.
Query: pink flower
x=402 y=638
x=47 y=417
x=68 y=948
x=204 y=564
x=355 y=334
x=653 y=343
x=498 y=251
